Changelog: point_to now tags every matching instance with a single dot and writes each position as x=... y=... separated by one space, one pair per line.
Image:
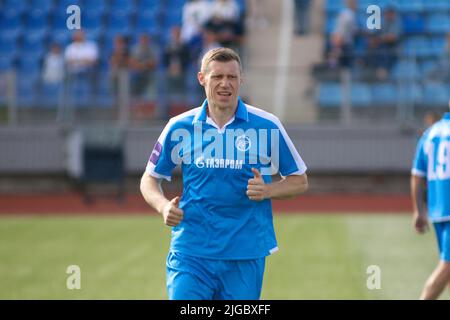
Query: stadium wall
x=325 y=149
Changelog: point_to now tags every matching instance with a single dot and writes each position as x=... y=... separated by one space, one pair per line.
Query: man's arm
x=420 y=220
x=152 y=192
x=286 y=188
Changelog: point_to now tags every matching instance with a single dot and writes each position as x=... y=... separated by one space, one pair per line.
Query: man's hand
x=171 y=213
x=257 y=190
x=420 y=223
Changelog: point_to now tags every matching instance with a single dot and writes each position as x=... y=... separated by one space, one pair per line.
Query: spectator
x=386 y=43
x=81 y=58
x=176 y=58
x=227 y=24
x=209 y=42
x=143 y=63
x=302 y=16
x=53 y=69
x=226 y=10
x=343 y=36
x=195 y=15
x=81 y=55
x=118 y=61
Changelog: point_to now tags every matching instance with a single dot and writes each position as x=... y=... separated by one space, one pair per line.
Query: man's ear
x=201 y=78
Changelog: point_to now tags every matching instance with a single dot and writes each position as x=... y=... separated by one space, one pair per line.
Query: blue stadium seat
x=410 y=93
x=61 y=37
x=34 y=42
x=6 y=63
x=438 y=23
x=438 y=46
x=37 y=20
x=95 y=6
x=14 y=5
x=92 y=23
x=405 y=70
x=119 y=22
x=410 y=5
x=44 y=5
x=413 y=23
x=49 y=95
x=124 y=6
x=329 y=95
x=10 y=20
x=361 y=95
x=334 y=5
x=436 y=5
x=8 y=45
x=384 y=94
x=26 y=89
x=418 y=46
x=173 y=18
x=436 y=94
x=30 y=63
x=147 y=21
x=173 y=4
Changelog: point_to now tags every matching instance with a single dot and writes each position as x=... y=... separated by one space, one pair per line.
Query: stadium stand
x=28 y=28
x=422 y=47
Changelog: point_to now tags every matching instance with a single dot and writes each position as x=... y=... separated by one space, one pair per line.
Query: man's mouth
x=224 y=94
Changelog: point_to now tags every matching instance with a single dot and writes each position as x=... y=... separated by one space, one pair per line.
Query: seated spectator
x=53 y=68
x=386 y=43
x=343 y=37
x=143 y=63
x=118 y=61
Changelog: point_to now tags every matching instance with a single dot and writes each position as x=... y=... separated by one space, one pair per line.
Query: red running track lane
x=72 y=203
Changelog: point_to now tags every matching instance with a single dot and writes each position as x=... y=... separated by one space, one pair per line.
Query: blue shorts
x=193 y=278
x=443 y=238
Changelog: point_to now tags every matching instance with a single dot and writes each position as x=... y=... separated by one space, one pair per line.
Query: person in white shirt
x=53 y=70
x=226 y=10
x=81 y=55
x=195 y=14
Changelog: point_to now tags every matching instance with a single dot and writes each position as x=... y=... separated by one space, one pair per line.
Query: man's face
x=222 y=82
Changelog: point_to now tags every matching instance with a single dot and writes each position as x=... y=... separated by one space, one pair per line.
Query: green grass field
x=123 y=257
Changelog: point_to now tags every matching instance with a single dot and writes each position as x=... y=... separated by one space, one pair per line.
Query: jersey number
x=439 y=169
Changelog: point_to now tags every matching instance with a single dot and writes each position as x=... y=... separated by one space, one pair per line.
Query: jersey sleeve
x=290 y=162
x=160 y=163
x=419 y=167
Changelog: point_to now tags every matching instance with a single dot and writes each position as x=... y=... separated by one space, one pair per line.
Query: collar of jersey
x=447 y=116
x=241 y=112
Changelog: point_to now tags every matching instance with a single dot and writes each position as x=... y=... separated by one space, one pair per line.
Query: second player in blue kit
x=222 y=223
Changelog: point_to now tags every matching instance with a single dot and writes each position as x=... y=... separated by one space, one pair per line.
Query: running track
x=72 y=203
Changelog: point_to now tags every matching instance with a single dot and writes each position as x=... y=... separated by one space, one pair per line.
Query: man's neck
x=221 y=116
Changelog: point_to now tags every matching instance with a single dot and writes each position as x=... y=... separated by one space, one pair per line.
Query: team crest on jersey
x=243 y=143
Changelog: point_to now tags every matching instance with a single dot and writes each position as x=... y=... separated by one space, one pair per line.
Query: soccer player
x=432 y=166
x=222 y=223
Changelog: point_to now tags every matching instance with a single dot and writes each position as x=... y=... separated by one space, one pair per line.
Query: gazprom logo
x=200 y=162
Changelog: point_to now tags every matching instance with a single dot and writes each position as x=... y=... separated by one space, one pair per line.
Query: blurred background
x=81 y=109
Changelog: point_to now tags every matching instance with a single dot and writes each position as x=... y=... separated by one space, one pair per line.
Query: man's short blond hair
x=220 y=54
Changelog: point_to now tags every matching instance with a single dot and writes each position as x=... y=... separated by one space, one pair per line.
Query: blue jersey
x=432 y=161
x=220 y=221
